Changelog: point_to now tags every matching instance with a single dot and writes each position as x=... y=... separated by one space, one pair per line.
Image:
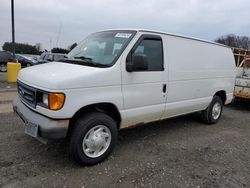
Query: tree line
x=230 y=40
x=21 y=48
x=235 y=41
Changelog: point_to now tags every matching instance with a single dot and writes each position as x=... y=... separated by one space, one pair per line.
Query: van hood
x=59 y=76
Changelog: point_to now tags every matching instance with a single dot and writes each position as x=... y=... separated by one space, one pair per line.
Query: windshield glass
x=101 y=48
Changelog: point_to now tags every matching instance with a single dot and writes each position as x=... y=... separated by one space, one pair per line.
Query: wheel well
x=222 y=95
x=107 y=108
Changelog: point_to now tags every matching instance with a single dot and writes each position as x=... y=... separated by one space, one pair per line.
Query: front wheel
x=213 y=112
x=93 y=138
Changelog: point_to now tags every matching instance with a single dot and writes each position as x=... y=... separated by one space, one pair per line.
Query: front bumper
x=46 y=127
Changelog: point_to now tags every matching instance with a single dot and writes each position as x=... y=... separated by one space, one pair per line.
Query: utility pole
x=13 y=29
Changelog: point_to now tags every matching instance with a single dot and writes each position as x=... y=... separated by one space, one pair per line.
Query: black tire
x=3 y=67
x=207 y=115
x=81 y=128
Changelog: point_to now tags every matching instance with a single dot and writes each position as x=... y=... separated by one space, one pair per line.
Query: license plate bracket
x=31 y=129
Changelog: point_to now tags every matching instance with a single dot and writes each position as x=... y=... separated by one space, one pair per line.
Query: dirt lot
x=3 y=82
x=180 y=152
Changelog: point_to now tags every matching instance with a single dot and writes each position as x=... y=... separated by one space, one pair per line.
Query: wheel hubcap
x=3 y=68
x=216 y=110
x=96 y=141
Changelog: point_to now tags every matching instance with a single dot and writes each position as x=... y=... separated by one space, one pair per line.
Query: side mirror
x=139 y=63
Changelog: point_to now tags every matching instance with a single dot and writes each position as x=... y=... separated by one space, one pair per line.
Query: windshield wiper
x=83 y=58
x=86 y=62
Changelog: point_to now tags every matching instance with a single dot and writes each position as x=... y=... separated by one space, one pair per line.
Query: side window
x=152 y=48
x=46 y=57
x=58 y=57
x=50 y=57
x=19 y=58
x=42 y=56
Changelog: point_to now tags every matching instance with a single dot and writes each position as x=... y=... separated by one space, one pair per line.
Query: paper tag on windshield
x=123 y=35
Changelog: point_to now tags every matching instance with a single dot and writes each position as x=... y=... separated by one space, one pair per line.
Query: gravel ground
x=3 y=82
x=180 y=152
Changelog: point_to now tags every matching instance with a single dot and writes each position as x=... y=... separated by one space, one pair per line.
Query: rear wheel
x=93 y=138
x=3 y=67
x=213 y=112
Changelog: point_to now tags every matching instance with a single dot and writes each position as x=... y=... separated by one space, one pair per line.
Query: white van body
x=193 y=72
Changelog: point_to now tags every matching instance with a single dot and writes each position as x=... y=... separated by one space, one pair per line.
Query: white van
x=119 y=78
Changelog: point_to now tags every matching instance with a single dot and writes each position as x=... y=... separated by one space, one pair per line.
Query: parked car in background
x=32 y=56
x=25 y=61
x=49 y=57
x=5 y=57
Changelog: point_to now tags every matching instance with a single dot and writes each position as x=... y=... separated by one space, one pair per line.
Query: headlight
x=45 y=99
x=53 y=101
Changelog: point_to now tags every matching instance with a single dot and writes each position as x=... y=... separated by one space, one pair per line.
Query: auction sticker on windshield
x=123 y=35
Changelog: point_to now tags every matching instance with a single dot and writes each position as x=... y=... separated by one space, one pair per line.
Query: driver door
x=144 y=91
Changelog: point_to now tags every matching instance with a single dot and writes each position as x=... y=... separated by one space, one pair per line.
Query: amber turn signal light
x=56 y=101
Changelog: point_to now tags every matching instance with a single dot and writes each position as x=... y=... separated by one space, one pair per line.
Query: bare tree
x=235 y=41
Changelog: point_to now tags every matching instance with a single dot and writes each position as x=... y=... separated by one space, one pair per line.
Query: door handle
x=164 y=88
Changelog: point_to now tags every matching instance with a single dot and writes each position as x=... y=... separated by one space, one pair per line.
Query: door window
x=152 y=49
x=50 y=58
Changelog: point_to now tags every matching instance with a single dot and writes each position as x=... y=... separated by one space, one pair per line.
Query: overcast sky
x=63 y=22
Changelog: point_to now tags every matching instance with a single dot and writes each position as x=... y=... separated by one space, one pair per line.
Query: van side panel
x=197 y=70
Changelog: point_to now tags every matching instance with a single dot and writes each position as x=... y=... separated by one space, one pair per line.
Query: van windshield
x=102 y=48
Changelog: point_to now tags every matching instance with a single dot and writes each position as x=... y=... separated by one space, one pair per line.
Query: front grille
x=27 y=94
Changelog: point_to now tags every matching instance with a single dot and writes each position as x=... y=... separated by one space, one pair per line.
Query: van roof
x=172 y=34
